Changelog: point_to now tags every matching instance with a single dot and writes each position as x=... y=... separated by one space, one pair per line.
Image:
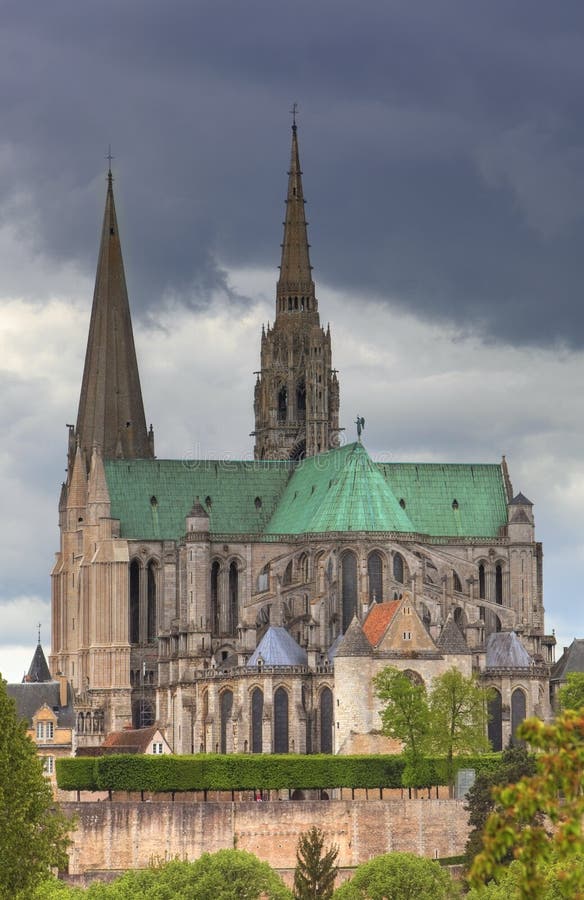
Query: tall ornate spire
x=111 y=412
x=295 y=290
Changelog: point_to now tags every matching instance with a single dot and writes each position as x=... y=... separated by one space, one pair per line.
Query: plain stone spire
x=111 y=411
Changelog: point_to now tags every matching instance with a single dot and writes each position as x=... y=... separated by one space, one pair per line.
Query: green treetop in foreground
x=539 y=819
x=398 y=876
x=33 y=831
x=316 y=869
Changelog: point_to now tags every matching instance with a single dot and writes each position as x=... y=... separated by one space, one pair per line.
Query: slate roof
x=130 y=740
x=354 y=642
x=38 y=669
x=451 y=638
x=342 y=490
x=278 y=648
x=505 y=651
x=520 y=500
x=29 y=696
x=378 y=619
x=571 y=660
x=332 y=650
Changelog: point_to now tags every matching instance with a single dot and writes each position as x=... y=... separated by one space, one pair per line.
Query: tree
x=553 y=792
x=458 y=717
x=33 y=830
x=225 y=875
x=508 y=885
x=405 y=717
x=515 y=763
x=398 y=875
x=571 y=694
x=315 y=873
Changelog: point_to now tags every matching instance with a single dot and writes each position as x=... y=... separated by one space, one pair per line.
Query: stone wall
x=123 y=835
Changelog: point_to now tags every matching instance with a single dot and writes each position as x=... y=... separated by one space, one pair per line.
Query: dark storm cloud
x=442 y=145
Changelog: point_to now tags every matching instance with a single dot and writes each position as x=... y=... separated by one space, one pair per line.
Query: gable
x=406 y=631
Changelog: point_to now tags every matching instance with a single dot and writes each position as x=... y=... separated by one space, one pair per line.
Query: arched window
x=518 y=713
x=398 y=568
x=495 y=726
x=460 y=617
x=280 y=721
x=226 y=706
x=301 y=401
x=151 y=616
x=134 y=602
x=375 y=572
x=482 y=588
x=303 y=568
x=349 y=587
x=233 y=597
x=499 y=583
x=257 y=715
x=456 y=585
x=215 y=598
x=204 y=715
x=287 y=577
x=326 y=721
x=414 y=677
x=99 y=720
x=282 y=404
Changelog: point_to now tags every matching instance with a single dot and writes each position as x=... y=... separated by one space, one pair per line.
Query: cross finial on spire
x=293 y=112
x=109 y=158
x=39 y=633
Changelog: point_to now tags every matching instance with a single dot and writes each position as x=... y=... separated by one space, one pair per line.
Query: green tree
x=225 y=875
x=33 y=830
x=405 y=717
x=399 y=876
x=458 y=717
x=520 y=822
x=508 y=885
x=571 y=694
x=515 y=763
x=316 y=869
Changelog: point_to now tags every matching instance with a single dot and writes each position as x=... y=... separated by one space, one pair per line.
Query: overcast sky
x=442 y=145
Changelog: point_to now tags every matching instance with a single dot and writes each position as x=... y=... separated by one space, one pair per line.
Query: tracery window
x=398 y=567
x=281 y=721
x=375 y=573
x=326 y=721
x=257 y=715
x=226 y=707
x=349 y=587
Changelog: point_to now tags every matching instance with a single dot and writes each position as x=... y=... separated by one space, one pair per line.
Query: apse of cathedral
x=246 y=607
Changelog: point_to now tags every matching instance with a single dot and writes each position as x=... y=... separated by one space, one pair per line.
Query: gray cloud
x=442 y=148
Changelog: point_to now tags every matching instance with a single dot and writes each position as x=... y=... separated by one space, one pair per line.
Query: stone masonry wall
x=123 y=835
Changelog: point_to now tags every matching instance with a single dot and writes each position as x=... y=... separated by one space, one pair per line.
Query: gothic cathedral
x=246 y=607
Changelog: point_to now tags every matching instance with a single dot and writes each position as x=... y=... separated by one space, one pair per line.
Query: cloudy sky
x=442 y=145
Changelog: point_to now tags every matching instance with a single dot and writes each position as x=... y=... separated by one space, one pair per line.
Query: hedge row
x=244 y=772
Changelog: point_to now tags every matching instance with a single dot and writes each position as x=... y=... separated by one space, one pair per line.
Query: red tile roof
x=380 y=615
x=131 y=740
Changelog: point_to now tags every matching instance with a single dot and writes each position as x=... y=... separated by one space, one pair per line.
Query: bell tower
x=296 y=401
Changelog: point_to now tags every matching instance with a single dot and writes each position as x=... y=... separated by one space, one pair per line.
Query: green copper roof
x=342 y=490
x=338 y=491
x=450 y=499
x=152 y=497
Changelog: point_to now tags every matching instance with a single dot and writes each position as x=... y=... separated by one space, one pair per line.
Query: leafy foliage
x=458 y=717
x=315 y=873
x=515 y=763
x=406 y=717
x=250 y=772
x=508 y=885
x=554 y=791
x=33 y=831
x=398 y=875
x=571 y=694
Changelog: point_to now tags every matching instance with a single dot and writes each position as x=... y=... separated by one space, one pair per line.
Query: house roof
x=520 y=500
x=278 y=648
x=451 y=638
x=379 y=617
x=571 y=660
x=38 y=669
x=29 y=696
x=354 y=642
x=130 y=740
x=505 y=651
x=342 y=490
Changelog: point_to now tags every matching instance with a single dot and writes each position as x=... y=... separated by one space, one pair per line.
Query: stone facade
x=128 y=835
